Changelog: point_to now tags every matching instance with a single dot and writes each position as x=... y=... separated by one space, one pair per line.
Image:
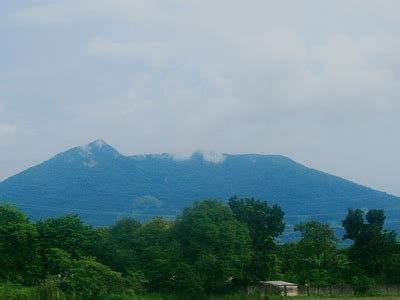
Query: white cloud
x=66 y=12
x=54 y=14
x=314 y=80
x=152 y=52
x=7 y=130
x=272 y=84
x=213 y=157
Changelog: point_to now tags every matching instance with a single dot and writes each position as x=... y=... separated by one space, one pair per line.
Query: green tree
x=374 y=247
x=265 y=223
x=155 y=257
x=58 y=262
x=315 y=259
x=118 y=246
x=316 y=239
x=124 y=232
x=88 y=279
x=354 y=224
x=67 y=233
x=215 y=247
x=19 y=255
x=392 y=272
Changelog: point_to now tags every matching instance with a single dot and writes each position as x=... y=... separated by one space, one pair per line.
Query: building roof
x=279 y=283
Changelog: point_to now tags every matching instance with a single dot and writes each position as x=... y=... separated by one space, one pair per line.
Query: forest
x=210 y=248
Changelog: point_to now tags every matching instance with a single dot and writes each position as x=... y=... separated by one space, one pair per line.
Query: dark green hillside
x=102 y=185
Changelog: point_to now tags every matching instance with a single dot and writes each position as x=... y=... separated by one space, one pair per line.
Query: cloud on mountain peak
x=313 y=80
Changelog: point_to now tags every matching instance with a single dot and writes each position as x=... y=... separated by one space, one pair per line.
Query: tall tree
x=19 y=255
x=215 y=247
x=374 y=247
x=118 y=245
x=67 y=233
x=265 y=223
x=317 y=259
x=316 y=238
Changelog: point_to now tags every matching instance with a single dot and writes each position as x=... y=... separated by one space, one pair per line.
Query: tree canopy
x=209 y=247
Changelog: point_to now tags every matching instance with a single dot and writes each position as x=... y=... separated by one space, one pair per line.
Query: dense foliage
x=210 y=247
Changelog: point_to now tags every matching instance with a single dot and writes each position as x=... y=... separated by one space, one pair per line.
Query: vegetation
x=102 y=185
x=210 y=249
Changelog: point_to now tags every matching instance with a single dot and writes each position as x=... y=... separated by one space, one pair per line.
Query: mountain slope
x=102 y=185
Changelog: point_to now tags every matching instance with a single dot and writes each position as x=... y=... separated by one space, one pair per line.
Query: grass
x=244 y=297
x=16 y=292
x=347 y=298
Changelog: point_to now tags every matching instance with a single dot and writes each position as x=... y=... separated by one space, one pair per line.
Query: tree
x=88 y=279
x=316 y=238
x=58 y=262
x=265 y=223
x=315 y=258
x=67 y=233
x=215 y=247
x=353 y=224
x=376 y=217
x=155 y=258
x=374 y=247
x=392 y=272
x=124 y=232
x=118 y=245
x=19 y=256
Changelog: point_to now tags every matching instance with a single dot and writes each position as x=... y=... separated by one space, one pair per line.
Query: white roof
x=278 y=282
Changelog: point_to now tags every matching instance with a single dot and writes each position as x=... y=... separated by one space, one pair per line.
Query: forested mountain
x=102 y=185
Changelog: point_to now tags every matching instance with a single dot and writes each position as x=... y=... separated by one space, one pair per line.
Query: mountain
x=101 y=185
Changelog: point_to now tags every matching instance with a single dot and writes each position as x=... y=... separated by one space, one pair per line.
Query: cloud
x=66 y=12
x=47 y=14
x=7 y=129
x=213 y=157
x=151 y=52
x=316 y=81
x=266 y=92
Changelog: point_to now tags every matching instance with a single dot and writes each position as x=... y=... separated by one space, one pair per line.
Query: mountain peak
x=89 y=154
x=99 y=143
x=101 y=184
x=99 y=147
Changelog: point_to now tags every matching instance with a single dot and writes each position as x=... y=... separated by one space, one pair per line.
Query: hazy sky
x=318 y=81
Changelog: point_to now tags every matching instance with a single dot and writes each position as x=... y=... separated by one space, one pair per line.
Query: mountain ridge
x=102 y=185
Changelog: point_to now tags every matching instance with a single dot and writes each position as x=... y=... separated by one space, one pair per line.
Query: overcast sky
x=318 y=81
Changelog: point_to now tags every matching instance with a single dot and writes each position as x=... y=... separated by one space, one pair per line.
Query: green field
x=238 y=297
x=243 y=297
x=35 y=293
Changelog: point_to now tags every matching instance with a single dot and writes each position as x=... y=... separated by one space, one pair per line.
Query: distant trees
x=205 y=249
x=140 y=252
x=210 y=246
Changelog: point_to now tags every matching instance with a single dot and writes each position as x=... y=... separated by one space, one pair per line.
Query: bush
x=48 y=290
x=362 y=284
x=13 y=291
x=88 y=279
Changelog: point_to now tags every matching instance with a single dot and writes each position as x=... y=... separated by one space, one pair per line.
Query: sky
x=318 y=81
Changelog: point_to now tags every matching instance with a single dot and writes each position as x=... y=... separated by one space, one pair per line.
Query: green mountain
x=101 y=185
